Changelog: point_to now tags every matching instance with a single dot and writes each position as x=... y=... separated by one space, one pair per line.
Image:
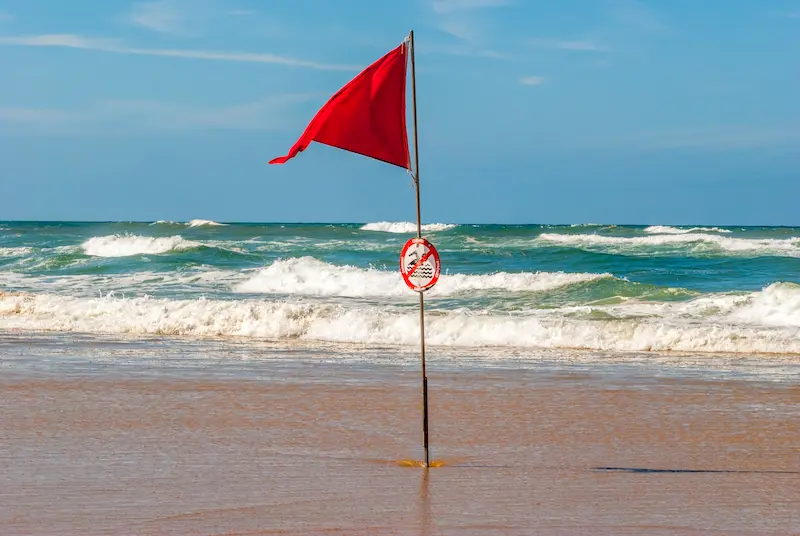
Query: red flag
x=367 y=116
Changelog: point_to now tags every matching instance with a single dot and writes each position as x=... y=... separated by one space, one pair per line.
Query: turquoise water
x=728 y=290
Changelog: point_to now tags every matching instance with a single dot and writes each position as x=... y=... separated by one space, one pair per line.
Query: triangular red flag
x=367 y=116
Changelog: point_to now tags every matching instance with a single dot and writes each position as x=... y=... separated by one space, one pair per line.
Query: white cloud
x=30 y=116
x=581 y=45
x=458 y=19
x=449 y=6
x=182 y=18
x=161 y=16
x=573 y=45
x=114 y=46
x=460 y=50
x=531 y=81
x=121 y=116
x=59 y=40
x=246 y=57
x=465 y=29
x=637 y=14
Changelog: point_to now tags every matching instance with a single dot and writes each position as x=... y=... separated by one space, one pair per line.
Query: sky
x=530 y=111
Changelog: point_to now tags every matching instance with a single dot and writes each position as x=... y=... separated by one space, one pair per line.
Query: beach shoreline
x=121 y=446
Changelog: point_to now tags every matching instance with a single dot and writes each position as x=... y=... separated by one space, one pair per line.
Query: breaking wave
x=191 y=223
x=406 y=227
x=204 y=223
x=309 y=276
x=127 y=245
x=15 y=252
x=689 y=242
x=666 y=229
x=767 y=321
x=190 y=282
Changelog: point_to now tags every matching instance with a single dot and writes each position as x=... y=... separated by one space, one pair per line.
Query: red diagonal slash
x=422 y=260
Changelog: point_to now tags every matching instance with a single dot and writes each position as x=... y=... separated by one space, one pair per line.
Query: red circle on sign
x=409 y=269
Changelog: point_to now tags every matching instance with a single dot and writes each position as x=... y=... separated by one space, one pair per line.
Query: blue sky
x=531 y=111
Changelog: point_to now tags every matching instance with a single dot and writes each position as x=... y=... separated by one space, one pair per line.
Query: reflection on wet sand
x=98 y=455
x=425 y=505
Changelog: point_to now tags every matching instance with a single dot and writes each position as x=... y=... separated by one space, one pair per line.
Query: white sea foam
x=309 y=276
x=304 y=276
x=125 y=284
x=405 y=227
x=204 y=223
x=765 y=321
x=666 y=229
x=696 y=242
x=292 y=245
x=15 y=252
x=126 y=245
x=778 y=305
x=191 y=223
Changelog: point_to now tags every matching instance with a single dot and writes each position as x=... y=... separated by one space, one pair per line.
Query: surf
x=767 y=321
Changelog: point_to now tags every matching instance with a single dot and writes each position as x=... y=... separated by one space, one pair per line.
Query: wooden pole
x=419 y=235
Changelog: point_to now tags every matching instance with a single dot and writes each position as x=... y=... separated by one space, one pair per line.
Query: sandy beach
x=235 y=235
x=319 y=449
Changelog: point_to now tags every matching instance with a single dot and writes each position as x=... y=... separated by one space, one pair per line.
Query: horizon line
x=298 y=222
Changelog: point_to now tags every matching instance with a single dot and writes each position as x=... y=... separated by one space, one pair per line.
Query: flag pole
x=419 y=235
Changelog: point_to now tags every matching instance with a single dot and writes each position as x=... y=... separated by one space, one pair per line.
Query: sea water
x=504 y=290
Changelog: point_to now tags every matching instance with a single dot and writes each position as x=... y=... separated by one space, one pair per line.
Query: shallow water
x=108 y=436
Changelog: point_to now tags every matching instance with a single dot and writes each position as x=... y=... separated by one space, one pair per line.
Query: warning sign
x=419 y=264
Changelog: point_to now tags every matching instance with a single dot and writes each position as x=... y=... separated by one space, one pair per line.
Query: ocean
x=504 y=289
x=201 y=377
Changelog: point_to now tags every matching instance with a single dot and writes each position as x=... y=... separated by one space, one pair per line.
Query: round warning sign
x=419 y=264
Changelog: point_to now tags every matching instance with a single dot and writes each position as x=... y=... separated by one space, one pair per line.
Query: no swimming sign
x=419 y=264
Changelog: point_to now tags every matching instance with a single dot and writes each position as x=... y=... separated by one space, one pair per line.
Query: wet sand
x=317 y=453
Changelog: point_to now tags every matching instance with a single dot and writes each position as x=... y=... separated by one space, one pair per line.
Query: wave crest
x=15 y=252
x=406 y=227
x=309 y=276
x=666 y=229
x=127 y=245
x=696 y=242
x=190 y=223
x=761 y=322
x=204 y=223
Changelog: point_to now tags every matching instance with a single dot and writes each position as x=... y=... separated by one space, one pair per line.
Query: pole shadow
x=425 y=505
x=648 y=470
